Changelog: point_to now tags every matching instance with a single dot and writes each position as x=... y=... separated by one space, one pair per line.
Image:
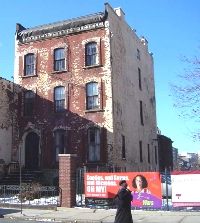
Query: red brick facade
x=67 y=179
x=75 y=120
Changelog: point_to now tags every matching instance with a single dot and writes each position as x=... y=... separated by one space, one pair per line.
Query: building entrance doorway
x=32 y=151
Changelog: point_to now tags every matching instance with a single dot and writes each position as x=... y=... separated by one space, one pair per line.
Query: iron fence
x=30 y=195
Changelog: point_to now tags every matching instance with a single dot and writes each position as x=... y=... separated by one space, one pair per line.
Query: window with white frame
x=59 y=59
x=92 y=95
x=93 y=144
x=59 y=99
x=91 y=54
x=28 y=103
x=29 y=64
x=59 y=137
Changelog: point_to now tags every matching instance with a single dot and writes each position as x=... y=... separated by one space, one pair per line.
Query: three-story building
x=86 y=88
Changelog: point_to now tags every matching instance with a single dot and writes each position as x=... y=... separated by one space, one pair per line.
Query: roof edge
x=61 y=28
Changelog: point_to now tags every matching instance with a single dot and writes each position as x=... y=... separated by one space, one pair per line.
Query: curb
x=26 y=218
x=26 y=206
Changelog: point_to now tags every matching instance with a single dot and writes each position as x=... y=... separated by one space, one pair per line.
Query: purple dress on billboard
x=144 y=198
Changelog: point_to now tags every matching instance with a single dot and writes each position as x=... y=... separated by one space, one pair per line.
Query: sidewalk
x=86 y=215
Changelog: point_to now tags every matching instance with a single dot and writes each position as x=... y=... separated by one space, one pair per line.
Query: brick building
x=165 y=153
x=85 y=87
x=6 y=121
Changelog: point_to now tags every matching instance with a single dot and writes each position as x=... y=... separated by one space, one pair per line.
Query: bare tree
x=186 y=92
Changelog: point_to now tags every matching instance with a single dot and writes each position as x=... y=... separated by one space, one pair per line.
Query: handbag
x=117 y=200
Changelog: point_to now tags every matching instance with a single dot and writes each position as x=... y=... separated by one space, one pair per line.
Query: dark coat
x=123 y=214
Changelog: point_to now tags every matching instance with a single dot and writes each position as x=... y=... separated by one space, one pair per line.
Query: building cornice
x=58 y=29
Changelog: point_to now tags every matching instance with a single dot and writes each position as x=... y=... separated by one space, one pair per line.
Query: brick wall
x=75 y=121
x=67 y=179
x=6 y=99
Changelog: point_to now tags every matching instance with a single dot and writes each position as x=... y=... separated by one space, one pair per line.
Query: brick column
x=67 y=179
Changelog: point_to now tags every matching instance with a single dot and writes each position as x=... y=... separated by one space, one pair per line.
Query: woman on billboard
x=140 y=184
x=142 y=196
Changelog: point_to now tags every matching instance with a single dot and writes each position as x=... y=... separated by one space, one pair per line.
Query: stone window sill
x=94 y=110
x=27 y=76
x=59 y=71
x=93 y=66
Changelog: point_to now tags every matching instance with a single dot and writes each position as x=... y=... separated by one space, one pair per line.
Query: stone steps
x=13 y=178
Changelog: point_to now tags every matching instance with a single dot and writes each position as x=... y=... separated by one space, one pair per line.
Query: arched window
x=59 y=99
x=59 y=59
x=29 y=64
x=28 y=103
x=91 y=54
x=92 y=95
x=93 y=144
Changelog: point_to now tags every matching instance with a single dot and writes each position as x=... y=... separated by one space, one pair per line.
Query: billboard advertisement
x=144 y=186
x=185 y=187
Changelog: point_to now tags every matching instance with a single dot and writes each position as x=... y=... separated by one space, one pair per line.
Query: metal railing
x=30 y=195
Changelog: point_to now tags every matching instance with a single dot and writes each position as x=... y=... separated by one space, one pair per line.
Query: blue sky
x=170 y=26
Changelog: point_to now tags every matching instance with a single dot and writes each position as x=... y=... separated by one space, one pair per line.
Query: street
x=88 y=215
x=12 y=221
x=4 y=220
